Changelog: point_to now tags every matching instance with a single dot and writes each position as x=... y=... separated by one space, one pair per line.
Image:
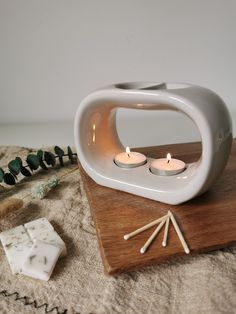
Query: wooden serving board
x=208 y=222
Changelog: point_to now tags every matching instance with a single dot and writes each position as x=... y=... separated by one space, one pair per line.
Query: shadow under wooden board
x=208 y=222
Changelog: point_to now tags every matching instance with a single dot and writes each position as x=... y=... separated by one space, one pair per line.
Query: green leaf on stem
x=59 y=151
x=40 y=157
x=50 y=158
x=9 y=179
x=25 y=171
x=60 y=154
x=1 y=174
x=15 y=165
x=42 y=165
x=33 y=161
x=70 y=155
x=40 y=154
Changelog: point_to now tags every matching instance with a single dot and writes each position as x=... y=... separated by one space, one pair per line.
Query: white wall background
x=53 y=53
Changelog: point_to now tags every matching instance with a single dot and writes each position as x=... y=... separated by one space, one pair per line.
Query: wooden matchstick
x=143 y=228
x=152 y=237
x=179 y=233
x=166 y=231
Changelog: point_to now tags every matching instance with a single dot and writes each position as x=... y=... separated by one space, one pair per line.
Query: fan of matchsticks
x=160 y=222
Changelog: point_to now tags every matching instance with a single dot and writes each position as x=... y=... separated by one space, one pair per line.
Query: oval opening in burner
x=141 y=85
x=150 y=85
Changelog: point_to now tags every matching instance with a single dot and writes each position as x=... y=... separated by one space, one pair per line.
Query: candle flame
x=168 y=157
x=128 y=151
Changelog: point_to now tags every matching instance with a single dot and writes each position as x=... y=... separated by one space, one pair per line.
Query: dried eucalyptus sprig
x=42 y=159
x=41 y=189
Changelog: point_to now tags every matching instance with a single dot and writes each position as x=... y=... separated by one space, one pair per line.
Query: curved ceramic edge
x=97 y=142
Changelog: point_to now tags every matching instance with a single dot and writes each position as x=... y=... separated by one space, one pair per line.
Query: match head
x=142 y=250
x=126 y=236
x=187 y=251
x=164 y=244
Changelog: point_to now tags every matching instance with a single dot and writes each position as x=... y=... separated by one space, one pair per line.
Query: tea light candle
x=130 y=159
x=167 y=166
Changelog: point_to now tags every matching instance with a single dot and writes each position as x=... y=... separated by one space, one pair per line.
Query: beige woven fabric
x=202 y=284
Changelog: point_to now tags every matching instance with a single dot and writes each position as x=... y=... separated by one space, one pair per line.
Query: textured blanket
x=204 y=283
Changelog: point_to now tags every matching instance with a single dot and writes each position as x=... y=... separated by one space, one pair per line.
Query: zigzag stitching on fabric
x=27 y=301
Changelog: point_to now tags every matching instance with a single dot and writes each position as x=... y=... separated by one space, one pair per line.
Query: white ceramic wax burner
x=102 y=154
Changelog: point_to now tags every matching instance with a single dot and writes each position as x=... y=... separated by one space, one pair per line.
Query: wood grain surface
x=208 y=222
